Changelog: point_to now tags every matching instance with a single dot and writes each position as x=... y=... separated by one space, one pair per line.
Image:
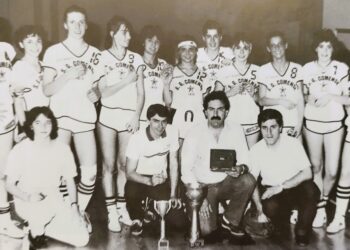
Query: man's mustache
x=216 y=118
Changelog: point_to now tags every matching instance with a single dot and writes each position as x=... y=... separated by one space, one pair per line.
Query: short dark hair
x=149 y=31
x=114 y=25
x=211 y=25
x=216 y=95
x=241 y=37
x=324 y=35
x=33 y=114
x=275 y=33
x=28 y=31
x=269 y=114
x=74 y=8
x=157 y=109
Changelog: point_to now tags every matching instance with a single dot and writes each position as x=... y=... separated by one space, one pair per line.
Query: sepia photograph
x=174 y=124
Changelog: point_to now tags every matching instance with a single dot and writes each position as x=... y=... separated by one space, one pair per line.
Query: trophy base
x=196 y=243
x=163 y=244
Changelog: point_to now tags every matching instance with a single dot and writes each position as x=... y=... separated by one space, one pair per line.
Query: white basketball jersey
x=319 y=81
x=72 y=101
x=188 y=90
x=286 y=85
x=243 y=108
x=117 y=70
x=211 y=67
x=7 y=53
x=153 y=85
x=24 y=75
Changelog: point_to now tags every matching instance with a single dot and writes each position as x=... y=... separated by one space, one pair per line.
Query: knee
x=121 y=163
x=88 y=173
x=109 y=167
x=247 y=181
x=316 y=165
x=331 y=175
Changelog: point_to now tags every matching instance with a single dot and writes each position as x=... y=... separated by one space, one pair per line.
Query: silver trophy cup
x=195 y=195
x=162 y=208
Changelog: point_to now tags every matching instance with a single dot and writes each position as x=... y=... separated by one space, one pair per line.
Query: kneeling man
x=286 y=176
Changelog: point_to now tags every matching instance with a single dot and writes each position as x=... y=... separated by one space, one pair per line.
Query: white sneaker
x=320 y=218
x=124 y=215
x=294 y=217
x=113 y=221
x=86 y=218
x=336 y=225
x=10 y=229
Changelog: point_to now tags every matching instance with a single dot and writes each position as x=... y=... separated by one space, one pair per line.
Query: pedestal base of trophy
x=163 y=244
x=196 y=243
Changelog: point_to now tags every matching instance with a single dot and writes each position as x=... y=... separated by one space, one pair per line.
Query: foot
x=113 y=221
x=234 y=230
x=320 y=218
x=337 y=225
x=294 y=217
x=86 y=218
x=136 y=228
x=124 y=215
x=10 y=229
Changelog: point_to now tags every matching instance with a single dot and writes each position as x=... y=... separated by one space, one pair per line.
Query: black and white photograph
x=174 y=124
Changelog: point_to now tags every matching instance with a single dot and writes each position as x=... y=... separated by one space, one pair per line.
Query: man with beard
x=234 y=184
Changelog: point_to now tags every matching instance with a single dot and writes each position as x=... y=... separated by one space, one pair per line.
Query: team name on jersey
x=74 y=63
x=287 y=82
x=326 y=78
x=190 y=81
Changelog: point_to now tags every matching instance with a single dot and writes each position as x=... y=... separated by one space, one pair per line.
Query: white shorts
x=323 y=127
x=117 y=119
x=185 y=120
x=67 y=123
x=250 y=129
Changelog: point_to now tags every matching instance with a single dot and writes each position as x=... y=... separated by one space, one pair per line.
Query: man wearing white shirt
x=147 y=165
x=235 y=185
x=286 y=176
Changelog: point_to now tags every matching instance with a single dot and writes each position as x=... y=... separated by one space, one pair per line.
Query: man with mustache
x=235 y=185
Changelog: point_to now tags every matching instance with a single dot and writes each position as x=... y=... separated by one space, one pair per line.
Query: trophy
x=195 y=195
x=162 y=208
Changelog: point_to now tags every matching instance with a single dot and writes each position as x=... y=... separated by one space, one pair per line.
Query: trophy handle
x=169 y=201
x=155 y=206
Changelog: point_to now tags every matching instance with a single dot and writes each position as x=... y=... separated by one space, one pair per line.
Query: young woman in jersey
x=71 y=72
x=239 y=83
x=184 y=90
x=7 y=127
x=280 y=85
x=34 y=170
x=325 y=89
x=27 y=73
x=155 y=67
x=122 y=101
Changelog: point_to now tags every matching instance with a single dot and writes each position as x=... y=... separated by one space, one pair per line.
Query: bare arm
x=107 y=91
x=267 y=101
x=174 y=172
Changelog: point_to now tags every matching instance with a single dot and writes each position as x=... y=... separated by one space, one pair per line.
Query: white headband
x=187 y=43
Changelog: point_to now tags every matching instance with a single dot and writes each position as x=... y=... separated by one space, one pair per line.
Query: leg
x=108 y=138
x=238 y=191
x=306 y=195
x=314 y=145
x=6 y=224
x=332 y=144
x=85 y=145
x=210 y=224
x=123 y=140
x=343 y=193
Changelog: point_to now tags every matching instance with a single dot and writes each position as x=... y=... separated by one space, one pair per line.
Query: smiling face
x=277 y=47
x=242 y=51
x=32 y=45
x=157 y=125
x=152 y=45
x=212 y=39
x=42 y=127
x=271 y=131
x=187 y=54
x=76 y=25
x=324 y=51
x=122 y=37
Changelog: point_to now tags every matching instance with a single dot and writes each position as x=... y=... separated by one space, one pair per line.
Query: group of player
x=74 y=75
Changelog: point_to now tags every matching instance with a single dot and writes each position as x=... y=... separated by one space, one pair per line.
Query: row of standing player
x=75 y=74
